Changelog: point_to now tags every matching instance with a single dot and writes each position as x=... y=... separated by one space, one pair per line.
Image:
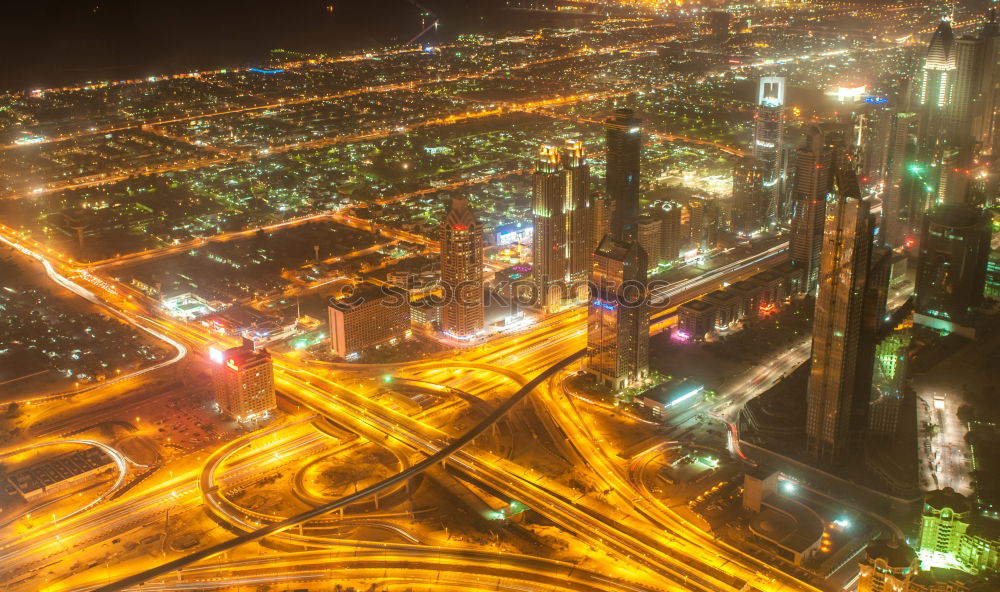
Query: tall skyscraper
x=650 y=239
x=578 y=211
x=244 y=382
x=987 y=100
x=601 y=212
x=951 y=269
x=671 y=238
x=549 y=249
x=749 y=197
x=461 y=237
x=624 y=144
x=813 y=180
x=696 y=223
x=837 y=324
x=901 y=180
x=618 y=315
x=937 y=78
x=769 y=139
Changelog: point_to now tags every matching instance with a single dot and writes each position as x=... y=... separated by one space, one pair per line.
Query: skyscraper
x=578 y=211
x=601 y=212
x=768 y=140
x=837 y=324
x=987 y=100
x=951 y=269
x=671 y=239
x=244 y=382
x=461 y=237
x=549 y=248
x=813 y=180
x=901 y=180
x=624 y=144
x=650 y=239
x=618 y=315
x=749 y=197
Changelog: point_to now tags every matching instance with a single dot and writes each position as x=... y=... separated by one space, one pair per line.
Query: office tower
x=987 y=100
x=624 y=144
x=937 y=79
x=965 y=87
x=902 y=183
x=813 y=180
x=461 y=237
x=749 y=197
x=579 y=245
x=366 y=316
x=244 y=382
x=601 y=212
x=837 y=324
x=888 y=565
x=649 y=229
x=549 y=264
x=888 y=385
x=696 y=223
x=671 y=238
x=869 y=142
x=951 y=269
x=768 y=140
x=618 y=315
x=710 y=224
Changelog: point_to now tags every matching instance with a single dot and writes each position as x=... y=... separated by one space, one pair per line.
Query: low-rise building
x=695 y=320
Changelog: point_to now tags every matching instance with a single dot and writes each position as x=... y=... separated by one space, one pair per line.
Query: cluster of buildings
x=955 y=544
x=758 y=296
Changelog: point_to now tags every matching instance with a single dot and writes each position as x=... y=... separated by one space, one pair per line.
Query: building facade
x=370 y=315
x=624 y=144
x=461 y=239
x=813 y=181
x=618 y=314
x=244 y=382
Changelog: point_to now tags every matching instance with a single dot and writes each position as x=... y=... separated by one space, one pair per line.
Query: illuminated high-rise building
x=578 y=211
x=769 y=139
x=837 y=326
x=951 y=269
x=366 y=316
x=649 y=230
x=987 y=100
x=671 y=238
x=938 y=77
x=749 y=198
x=461 y=237
x=902 y=181
x=696 y=223
x=618 y=315
x=601 y=211
x=548 y=211
x=244 y=382
x=624 y=145
x=813 y=181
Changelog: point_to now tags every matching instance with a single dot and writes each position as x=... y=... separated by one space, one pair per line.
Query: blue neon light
x=267 y=70
x=603 y=304
x=876 y=100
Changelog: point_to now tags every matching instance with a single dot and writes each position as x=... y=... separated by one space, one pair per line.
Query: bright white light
x=789 y=487
x=215 y=355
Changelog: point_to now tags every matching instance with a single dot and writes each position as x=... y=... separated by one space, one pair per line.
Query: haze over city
x=534 y=295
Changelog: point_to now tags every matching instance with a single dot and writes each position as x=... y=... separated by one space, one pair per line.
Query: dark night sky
x=51 y=42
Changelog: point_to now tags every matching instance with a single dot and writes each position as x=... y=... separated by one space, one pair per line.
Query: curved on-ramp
x=416 y=469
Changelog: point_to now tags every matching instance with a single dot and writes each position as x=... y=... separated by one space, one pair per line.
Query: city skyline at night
x=538 y=295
